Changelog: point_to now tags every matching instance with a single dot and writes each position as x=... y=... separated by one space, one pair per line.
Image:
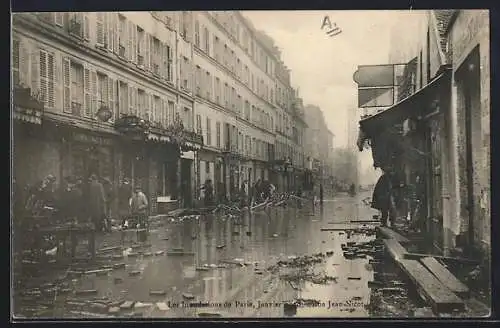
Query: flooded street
x=253 y=266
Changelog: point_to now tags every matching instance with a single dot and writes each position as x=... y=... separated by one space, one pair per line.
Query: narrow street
x=229 y=262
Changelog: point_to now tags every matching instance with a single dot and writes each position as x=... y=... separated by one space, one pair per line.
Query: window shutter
x=24 y=64
x=134 y=43
x=67 y=85
x=147 y=51
x=86 y=26
x=163 y=60
x=130 y=36
x=116 y=34
x=51 y=79
x=152 y=108
x=112 y=96
x=44 y=83
x=100 y=28
x=106 y=24
x=59 y=19
x=170 y=64
x=131 y=100
x=95 y=102
x=137 y=103
x=87 y=98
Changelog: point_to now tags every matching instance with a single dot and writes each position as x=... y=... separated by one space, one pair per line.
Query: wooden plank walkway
x=445 y=276
x=442 y=299
x=395 y=249
x=391 y=234
x=418 y=256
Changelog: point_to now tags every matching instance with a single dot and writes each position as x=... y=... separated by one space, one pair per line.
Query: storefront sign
x=93 y=139
x=188 y=155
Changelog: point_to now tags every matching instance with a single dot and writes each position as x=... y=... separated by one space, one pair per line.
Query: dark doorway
x=186 y=193
x=470 y=76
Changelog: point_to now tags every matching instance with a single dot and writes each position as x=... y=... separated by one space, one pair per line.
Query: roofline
x=452 y=21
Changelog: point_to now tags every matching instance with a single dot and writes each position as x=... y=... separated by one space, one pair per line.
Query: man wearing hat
x=139 y=205
x=96 y=203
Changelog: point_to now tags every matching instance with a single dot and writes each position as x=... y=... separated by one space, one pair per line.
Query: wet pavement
x=258 y=265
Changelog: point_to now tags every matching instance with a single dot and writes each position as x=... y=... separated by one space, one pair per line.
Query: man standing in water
x=382 y=197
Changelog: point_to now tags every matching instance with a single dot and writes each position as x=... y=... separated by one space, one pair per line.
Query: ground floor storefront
x=60 y=150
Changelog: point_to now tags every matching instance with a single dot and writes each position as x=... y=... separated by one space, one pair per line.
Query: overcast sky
x=322 y=66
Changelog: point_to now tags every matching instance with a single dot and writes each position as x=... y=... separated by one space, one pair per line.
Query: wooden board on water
x=418 y=256
x=442 y=299
x=396 y=250
x=445 y=276
x=391 y=234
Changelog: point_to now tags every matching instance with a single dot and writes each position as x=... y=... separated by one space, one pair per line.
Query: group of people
x=79 y=200
x=394 y=199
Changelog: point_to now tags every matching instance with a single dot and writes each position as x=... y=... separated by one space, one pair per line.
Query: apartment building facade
x=166 y=99
x=113 y=91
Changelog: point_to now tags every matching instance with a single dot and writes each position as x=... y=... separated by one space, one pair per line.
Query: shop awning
x=415 y=106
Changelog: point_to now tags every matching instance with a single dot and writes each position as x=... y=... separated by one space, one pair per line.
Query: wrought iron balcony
x=131 y=124
x=27 y=106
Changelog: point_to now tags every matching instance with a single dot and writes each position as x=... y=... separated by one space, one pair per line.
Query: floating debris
x=118 y=280
x=188 y=296
x=139 y=305
x=86 y=291
x=157 y=293
x=114 y=309
x=119 y=266
x=127 y=305
x=178 y=253
x=353 y=278
x=202 y=269
x=162 y=306
x=134 y=273
x=220 y=246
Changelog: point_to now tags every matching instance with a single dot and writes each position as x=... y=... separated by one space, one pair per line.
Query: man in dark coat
x=96 y=203
x=382 y=198
x=71 y=201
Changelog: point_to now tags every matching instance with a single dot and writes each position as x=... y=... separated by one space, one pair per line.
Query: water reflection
x=255 y=237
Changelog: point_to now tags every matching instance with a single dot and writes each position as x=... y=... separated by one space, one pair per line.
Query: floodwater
x=208 y=266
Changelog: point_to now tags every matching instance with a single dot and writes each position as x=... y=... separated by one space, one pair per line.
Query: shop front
x=406 y=139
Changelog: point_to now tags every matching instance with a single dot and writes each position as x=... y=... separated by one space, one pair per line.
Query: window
x=209 y=132
x=247 y=110
x=169 y=64
x=216 y=49
x=184 y=24
x=209 y=86
x=185 y=73
x=218 y=136
x=428 y=57
x=102 y=90
x=141 y=46
x=206 y=37
x=207 y=167
x=47 y=78
x=122 y=37
x=217 y=91
x=197 y=33
x=101 y=29
x=233 y=98
x=198 y=80
x=171 y=112
x=157 y=116
x=77 y=88
x=199 y=128
x=226 y=95
x=238 y=105
x=79 y=25
x=156 y=55
x=141 y=108
x=15 y=62
x=124 y=98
